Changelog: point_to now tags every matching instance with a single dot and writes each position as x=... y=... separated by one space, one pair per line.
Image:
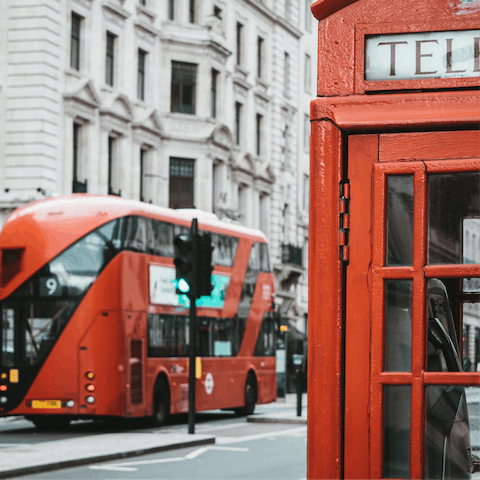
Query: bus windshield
x=34 y=316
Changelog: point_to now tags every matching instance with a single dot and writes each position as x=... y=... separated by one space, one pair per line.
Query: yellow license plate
x=46 y=404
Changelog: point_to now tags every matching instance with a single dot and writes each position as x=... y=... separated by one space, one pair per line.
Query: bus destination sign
x=427 y=55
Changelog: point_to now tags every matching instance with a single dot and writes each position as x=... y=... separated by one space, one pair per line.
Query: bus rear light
x=70 y=403
x=90 y=387
x=90 y=400
x=3 y=388
x=90 y=375
x=3 y=400
x=3 y=376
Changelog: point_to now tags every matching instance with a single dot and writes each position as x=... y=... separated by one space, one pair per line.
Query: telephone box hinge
x=344 y=222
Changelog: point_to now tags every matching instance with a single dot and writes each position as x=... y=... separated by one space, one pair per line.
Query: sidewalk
x=287 y=416
x=47 y=456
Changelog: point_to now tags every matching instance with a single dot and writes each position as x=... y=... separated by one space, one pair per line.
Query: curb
x=104 y=458
x=295 y=420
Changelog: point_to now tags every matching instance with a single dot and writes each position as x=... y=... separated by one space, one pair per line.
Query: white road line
x=258 y=436
x=189 y=456
x=196 y=453
x=113 y=468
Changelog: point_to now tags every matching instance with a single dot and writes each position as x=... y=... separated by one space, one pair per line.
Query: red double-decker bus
x=92 y=326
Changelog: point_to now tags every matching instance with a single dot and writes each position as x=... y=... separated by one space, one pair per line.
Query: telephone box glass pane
x=452 y=430
x=396 y=462
x=399 y=219
x=453 y=201
x=398 y=325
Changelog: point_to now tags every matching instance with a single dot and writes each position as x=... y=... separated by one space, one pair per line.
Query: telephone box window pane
x=396 y=462
x=399 y=219
x=398 y=325
x=452 y=201
x=451 y=430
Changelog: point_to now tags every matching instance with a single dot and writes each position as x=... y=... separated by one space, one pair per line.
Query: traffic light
x=184 y=263
x=204 y=264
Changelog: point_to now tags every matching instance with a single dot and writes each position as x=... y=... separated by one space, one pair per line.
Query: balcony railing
x=79 y=187
x=112 y=192
x=292 y=254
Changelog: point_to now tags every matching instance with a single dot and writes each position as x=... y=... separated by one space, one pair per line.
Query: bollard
x=299 y=392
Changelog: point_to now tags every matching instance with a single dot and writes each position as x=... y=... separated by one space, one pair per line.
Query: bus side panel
x=222 y=383
x=267 y=379
x=102 y=352
x=58 y=378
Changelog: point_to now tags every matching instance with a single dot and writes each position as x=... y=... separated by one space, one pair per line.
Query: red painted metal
x=401 y=127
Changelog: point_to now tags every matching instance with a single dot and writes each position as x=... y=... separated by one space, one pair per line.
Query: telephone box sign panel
x=415 y=56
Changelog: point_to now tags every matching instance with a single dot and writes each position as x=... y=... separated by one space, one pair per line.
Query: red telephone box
x=394 y=260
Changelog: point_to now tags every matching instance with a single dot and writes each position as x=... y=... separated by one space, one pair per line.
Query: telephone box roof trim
x=322 y=9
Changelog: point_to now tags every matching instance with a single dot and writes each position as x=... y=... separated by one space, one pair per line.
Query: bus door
x=412 y=212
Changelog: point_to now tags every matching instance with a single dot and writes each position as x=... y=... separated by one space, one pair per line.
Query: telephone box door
x=412 y=292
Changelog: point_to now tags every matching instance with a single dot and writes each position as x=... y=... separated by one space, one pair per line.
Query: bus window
x=161 y=335
x=162 y=235
x=223 y=337
x=266 y=339
x=225 y=248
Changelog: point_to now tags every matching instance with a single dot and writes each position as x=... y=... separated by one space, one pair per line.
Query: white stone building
x=182 y=103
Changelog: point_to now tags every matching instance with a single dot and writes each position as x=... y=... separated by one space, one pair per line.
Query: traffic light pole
x=193 y=320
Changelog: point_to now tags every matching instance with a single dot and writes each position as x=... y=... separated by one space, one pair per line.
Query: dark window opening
x=239 y=42
x=109 y=70
x=238 y=122
x=141 y=74
x=77 y=186
x=184 y=79
x=214 y=93
x=259 y=57
x=181 y=188
x=75 y=42
x=259 y=121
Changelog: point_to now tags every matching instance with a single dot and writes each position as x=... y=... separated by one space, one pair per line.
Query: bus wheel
x=250 y=396
x=50 y=423
x=161 y=402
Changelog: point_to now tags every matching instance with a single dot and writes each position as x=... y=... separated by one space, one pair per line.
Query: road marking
x=258 y=436
x=128 y=466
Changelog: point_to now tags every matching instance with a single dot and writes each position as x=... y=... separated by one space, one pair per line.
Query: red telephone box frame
x=342 y=120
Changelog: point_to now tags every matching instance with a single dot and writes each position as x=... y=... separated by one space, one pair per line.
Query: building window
x=306 y=132
x=184 y=78
x=143 y=160
x=239 y=43
x=77 y=185
x=259 y=133
x=141 y=74
x=308 y=73
x=242 y=203
x=111 y=159
x=286 y=73
x=238 y=122
x=143 y=2
x=217 y=12
x=214 y=93
x=308 y=15
x=75 y=41
x=191 y=13
x=171 y=9
x=259 y=57
x=110 y=59
x=263 y=214
x=306 y=191
x=182 y=174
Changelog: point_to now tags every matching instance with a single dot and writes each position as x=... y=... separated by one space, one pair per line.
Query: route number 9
x=51 y=285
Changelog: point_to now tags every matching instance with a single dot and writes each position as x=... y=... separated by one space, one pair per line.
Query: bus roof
x=111 y=207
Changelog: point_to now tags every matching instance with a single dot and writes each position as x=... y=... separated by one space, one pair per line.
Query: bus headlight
x=90 y=400
x=3 y=400
x=70 y=403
